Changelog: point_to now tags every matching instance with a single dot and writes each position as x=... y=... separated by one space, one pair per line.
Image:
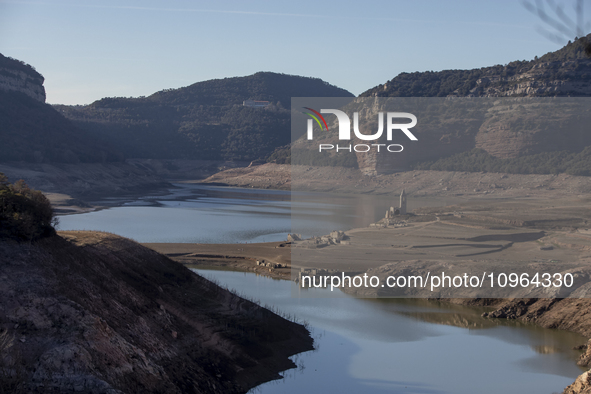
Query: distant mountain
x=566 y=72
x=33 y=131
x=206 y=120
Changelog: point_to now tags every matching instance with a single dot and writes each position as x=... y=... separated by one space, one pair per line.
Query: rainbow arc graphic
x=316 y=115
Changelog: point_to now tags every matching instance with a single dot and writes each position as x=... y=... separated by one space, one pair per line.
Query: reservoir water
x=410 y=346
x=208 y=214
x=400 y=346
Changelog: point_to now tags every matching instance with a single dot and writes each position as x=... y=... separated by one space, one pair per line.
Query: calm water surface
x=209 y=214
x=410 y=346
x=400 y=346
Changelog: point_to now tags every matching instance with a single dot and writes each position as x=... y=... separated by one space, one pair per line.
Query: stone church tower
x=402 y=203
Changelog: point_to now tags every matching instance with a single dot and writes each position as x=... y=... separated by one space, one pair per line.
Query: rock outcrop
x=581 y=386
x=504 y=129
x=18 y=76
x=33 y=131
x=565 y=72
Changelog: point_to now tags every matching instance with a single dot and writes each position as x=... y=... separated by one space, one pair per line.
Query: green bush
x=25 y=214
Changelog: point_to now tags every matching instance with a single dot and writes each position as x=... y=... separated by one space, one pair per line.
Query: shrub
x=25 y=214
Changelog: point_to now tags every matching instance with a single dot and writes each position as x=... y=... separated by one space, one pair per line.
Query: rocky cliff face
x=508 y=130
x=18 y=76
x=565 y=72
x=552 y=78
x=33 y=131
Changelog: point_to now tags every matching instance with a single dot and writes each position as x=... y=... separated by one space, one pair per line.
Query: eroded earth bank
x=94 y=312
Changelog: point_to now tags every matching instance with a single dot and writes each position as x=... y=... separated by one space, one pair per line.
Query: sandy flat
x=242 y=257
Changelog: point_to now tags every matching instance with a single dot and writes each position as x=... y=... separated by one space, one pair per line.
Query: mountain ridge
x=508 y=135
x=553 y=74
x=205 y=120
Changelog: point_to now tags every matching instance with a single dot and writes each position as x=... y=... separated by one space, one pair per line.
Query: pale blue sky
x=92 y=49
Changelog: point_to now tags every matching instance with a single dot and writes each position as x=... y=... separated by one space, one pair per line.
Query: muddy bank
x=274 y=258
x=71 y=187
x=85 y=181
x=94 y=312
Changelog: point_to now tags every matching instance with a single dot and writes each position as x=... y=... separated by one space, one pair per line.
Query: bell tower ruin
x=402 y=208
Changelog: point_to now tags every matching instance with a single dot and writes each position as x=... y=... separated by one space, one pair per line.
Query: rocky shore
x=572 y=314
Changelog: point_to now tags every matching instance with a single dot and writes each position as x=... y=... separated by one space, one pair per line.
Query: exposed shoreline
x=569 y=314
x=239 y=257
x=419 y=183
x=564 y=314
x=565 y=190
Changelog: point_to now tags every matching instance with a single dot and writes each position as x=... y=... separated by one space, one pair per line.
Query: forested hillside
x=513 y=137
x=206 y=120
x=565 y=72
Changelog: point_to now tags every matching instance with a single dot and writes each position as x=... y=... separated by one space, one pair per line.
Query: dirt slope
x=98 y=313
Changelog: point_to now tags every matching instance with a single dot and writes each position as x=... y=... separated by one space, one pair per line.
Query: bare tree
x=560 y=26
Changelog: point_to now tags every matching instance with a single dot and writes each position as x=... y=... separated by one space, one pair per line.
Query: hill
x=512 y=135
x=97 y=313
x=565 y=72
x=206 y=120
x=33 y=131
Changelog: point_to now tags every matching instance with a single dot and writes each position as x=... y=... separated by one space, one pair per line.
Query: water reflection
x=540 y=340
x=363 y=345
x=412 y=346
x=209 y=214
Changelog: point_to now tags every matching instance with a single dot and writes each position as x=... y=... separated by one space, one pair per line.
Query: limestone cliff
x=15 y=75
x=565 y=72
x=506 y=131
x=34 y=132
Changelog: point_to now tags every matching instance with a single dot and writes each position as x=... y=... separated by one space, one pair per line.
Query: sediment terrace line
x=515 y=237
x=469 y=245
x=208 y=256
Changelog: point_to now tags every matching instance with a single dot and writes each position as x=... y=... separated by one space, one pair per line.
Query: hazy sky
x=87 y=50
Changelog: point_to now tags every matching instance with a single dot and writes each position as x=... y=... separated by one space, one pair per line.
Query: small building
x=401 y=210
x=392 y=217
x=255 y=103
